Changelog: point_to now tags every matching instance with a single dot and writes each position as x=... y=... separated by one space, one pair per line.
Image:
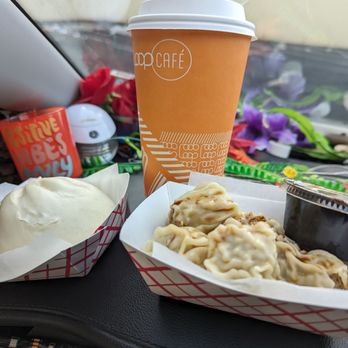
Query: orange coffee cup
x=189 y=68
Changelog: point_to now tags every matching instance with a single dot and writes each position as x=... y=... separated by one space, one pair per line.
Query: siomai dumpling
x=208 y=228
x=186 y=241
x=335 y=268
x=197 y=255
x=252 y=219
x=204 y=208
x=316 y=268
x=248 y=251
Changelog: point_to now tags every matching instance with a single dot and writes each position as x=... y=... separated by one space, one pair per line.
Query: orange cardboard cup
x=189 y=58
x=41 y=144
x=188 y=87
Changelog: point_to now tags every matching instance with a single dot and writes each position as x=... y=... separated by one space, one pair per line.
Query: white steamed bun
x=66 y=208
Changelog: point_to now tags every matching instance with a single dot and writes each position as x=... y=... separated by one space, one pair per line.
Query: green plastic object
x=320 y=181
x=236 y=168
x=89 y=171
x=133 y=141
x=131 y=167
x=95 y=161
x=278 y=167
x=122 y=168
x=271 y=172
x=132 y=145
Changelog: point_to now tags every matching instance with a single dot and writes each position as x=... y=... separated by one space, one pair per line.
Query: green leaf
x=314 y=153
x=310 y=99
x=303 y=122
x=319 y=140
x=331 y=94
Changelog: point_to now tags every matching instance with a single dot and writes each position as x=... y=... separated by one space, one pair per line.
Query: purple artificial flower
x=254 y=118
x=264 y=64
x=287 y=137
x=261 y=142
x=302 y=141
x=277 y=128
x=273 y=63
x=291 y=83
x=291 y=86
x=261 y=128
x=275 y=122
x=255 y=130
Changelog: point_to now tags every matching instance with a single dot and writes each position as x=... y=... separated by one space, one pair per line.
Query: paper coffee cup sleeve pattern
x=169 y=274
x=49 y=257
x=164 y=163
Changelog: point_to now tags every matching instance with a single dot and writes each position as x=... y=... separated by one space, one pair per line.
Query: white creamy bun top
x=69 y=209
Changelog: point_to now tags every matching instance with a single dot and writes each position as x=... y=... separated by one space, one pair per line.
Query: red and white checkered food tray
x=320 y=311
x=50 y=258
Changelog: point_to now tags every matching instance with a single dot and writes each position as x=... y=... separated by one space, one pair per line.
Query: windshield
x=91 y=33
x=301 y=42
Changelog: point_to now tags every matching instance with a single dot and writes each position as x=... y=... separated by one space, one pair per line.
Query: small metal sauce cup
x=317 y=218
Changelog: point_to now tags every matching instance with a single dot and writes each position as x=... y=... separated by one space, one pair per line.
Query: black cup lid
x=317 y=195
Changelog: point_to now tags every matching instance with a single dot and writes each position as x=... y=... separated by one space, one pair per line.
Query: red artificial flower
x=124 y=103
x=95 y=88
x=238 y=142
x=240 y=155
x=238 y=146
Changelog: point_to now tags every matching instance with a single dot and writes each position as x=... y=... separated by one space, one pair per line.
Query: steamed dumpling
x=197 y=255
x=252 y=219
x=237 y=252
x=315 y=268
x=204 y=208
x=208 y=228
x=67 y=208
x=186 y=241
x=336 y=269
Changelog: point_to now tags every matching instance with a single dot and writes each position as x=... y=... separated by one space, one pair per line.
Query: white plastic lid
x=216 y=15
x=279 y=150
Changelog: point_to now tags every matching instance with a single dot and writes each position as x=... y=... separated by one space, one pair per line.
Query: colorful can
x=41 y=144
